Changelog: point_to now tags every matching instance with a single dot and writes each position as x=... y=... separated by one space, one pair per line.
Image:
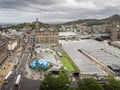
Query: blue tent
x=46 y=65
x=37 y=62
x=33 y=65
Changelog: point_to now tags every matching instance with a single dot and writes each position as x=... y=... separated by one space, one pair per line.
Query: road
x=26 y=84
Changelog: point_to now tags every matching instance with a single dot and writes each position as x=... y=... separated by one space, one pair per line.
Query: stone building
x=3 y=50
x=46 y=35
x=14 y=39
x=115 y=33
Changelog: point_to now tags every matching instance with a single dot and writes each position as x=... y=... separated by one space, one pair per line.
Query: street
x=26 y=84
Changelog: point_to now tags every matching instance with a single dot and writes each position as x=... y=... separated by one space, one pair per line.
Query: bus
x=7 y=77
x=16 y=64
x=17 y=82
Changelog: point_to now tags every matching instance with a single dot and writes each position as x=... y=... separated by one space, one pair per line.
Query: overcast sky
x=56 y=11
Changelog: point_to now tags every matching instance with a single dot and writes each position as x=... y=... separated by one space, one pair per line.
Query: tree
x=89 y=84
x=59 y=83
x=64 y=78
x=112 y=84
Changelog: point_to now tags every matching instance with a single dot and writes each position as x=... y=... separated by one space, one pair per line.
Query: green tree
x=89 y=84
x=112 y=84
x=59 y=83
x=64 y=78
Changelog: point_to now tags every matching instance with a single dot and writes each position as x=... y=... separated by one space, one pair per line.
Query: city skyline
x=56 y=11
x=69 y=56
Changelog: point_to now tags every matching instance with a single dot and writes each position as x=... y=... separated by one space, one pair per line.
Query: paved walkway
x=30 y=73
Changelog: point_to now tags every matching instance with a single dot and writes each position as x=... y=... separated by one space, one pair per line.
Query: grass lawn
x=66 y=61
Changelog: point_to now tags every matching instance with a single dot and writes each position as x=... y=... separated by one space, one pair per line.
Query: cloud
x=56 y=11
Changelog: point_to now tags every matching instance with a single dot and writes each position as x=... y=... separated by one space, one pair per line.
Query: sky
x=56 y=11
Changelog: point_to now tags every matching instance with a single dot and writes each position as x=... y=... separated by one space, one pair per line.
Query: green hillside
x=89 y=22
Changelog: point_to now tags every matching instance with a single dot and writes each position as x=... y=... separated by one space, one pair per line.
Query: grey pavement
x=28 y=84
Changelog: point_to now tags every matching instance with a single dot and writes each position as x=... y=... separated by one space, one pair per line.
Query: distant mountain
x=89 y=22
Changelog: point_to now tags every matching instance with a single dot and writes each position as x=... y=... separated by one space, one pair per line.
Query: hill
x=32 y=25
x=90 y=22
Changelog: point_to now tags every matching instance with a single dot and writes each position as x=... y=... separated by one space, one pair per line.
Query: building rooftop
x=66 y=34
x=106 y=54
x=50 y=58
